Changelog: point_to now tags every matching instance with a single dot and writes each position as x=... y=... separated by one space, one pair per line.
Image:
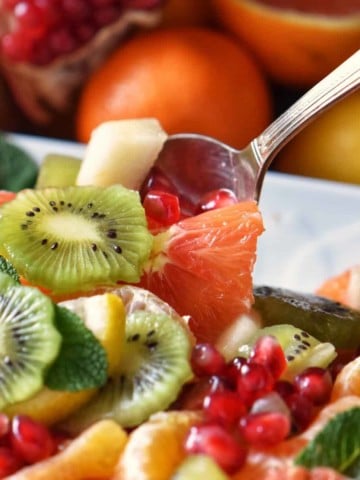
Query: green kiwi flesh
x=199 y=467
x=156 y=365
x=301 y=349
x=29 y=341
x=58 y=171
x=326 y=320
x=75 y=238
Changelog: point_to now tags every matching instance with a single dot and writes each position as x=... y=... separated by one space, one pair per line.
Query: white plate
x=312 y=226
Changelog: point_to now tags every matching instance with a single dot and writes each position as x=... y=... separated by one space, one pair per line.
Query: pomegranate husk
x=42 y=92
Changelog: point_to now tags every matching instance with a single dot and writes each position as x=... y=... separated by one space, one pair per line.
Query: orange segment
x=343 y=288
x=93 y=454
x=6 y=196
x=191 y=79
x=155 y=449
x=297 y=42
x=202 y=267
x=348 y=380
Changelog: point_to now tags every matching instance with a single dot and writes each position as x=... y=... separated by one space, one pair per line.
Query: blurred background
x=224 y=68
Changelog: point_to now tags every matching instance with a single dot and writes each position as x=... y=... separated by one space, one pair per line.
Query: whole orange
x=298 y=42
x=191 y=79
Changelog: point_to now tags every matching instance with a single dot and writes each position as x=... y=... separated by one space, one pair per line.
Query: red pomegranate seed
x=15 y=48
x=31 y=440
x=9 y=462
x=232 y=370
x=4 y=425
x=265 y=428
x=224 y=408
x=216 y=199
x=253 y=382
x=315 y=384
x=215 y=441
x=29 y=18
x=284 y=388
x=206 y=360
x=268 y=352
x=163 y=207
x=302 y=411
x=193 y=395
x=157 y=180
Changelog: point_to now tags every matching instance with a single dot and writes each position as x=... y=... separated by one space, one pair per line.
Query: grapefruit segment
x=202 y=266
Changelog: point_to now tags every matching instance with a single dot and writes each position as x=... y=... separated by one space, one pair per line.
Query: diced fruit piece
x=206 y=360
x=301 y=349
x=344 y=287
x=104 y=315
x=216 y=199
x=29 y=340
x=198 y=467
x=6 y=196
x=93 y=454
x=121 y=151
x=58 y=171
x=186 y=270
x=75 y=238
x=347 y=381
x=326 y=320
x=162 y=207
x=155 y=449
x=155 y=365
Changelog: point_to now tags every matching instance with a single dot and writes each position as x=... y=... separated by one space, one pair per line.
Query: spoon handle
x=339 y=83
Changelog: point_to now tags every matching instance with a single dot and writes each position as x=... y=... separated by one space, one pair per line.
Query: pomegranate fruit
x=49 y=47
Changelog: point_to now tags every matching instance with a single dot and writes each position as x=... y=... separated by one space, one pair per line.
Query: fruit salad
x=135 y=345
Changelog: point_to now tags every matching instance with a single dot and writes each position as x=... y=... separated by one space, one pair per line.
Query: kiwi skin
x=75 y=239
x=324 y=319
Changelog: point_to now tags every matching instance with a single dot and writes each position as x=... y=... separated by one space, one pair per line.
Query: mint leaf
x=17 y=169
x=82 y=360
x=9 y=269
x=337 y=445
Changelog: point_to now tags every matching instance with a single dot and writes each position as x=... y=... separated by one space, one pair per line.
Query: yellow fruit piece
x=93 y=454
x=50 y=406
x=104 y=315
x=155 y=449
x=348 y=380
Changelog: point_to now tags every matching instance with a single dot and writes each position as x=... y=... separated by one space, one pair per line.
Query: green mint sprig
x=337 y=445
x=82 y=361
x=17 y=169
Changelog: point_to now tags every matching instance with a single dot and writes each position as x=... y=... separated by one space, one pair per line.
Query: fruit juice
x=136 y=345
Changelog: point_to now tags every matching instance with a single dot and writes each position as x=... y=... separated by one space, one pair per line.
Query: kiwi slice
x=155 y=366
x=75 y=238
x=29 y=341
x=326 y=320
x=301 y=349
x=58 y=171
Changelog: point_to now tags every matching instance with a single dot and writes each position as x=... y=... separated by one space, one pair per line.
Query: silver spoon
x=196 y=164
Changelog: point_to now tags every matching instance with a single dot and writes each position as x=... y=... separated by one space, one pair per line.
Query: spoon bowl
x=196 y=164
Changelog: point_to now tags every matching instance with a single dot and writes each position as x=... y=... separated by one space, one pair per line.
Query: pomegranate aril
x=31 y=440
x=253 y=382
x=268 y=352
x=315 y=384
x=4 y=425
x=62 y=41
x=232 y=370
x=193 y=395
x=265 y=428
x=284 y=388
x=221 y=197
x=9 y=462
x=302 y=411
x=163 y=207
x=207 y=360
x=157 y=180
x=224 y=408
x=15 y=48
x=215 y=441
